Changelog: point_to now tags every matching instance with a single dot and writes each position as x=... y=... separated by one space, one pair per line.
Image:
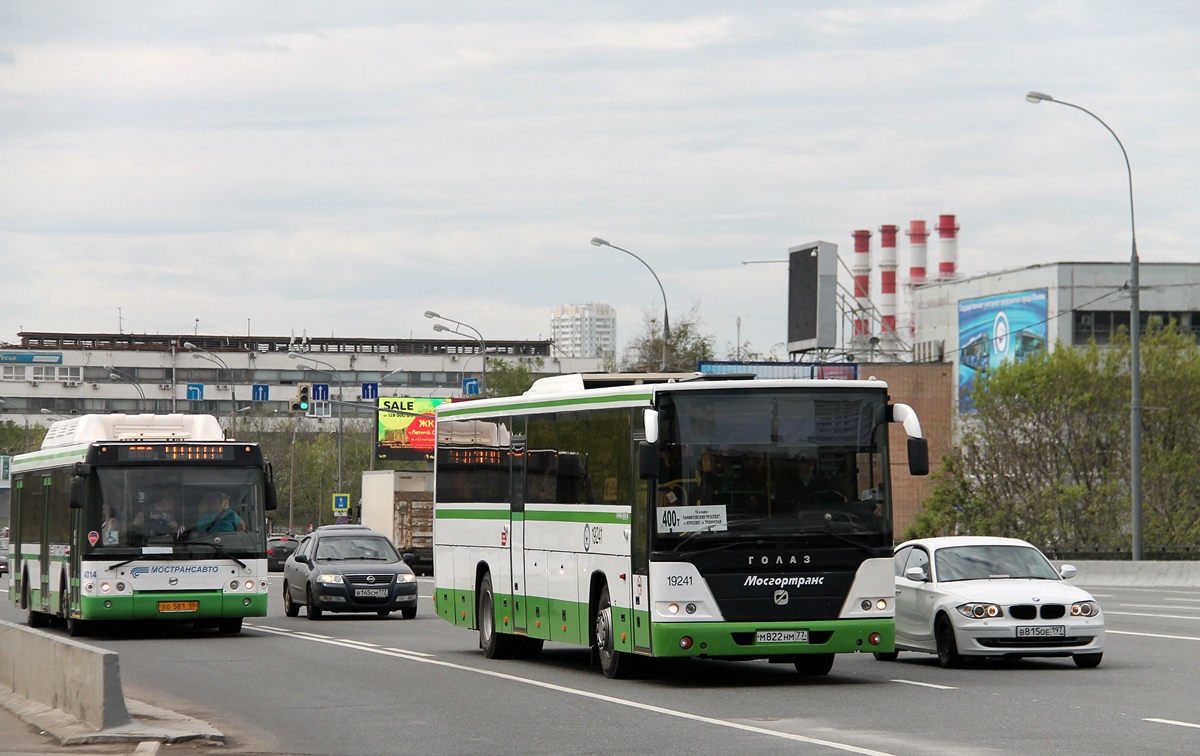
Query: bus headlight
x=249 y=585
x=672 y=608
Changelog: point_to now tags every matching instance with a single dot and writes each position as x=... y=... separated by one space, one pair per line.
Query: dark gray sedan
x=348 y=568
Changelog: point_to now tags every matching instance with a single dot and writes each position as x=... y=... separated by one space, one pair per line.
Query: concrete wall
x=81 y=680
x=1135 y=574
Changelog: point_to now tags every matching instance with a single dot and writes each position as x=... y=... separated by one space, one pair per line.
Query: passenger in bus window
x=216 y=516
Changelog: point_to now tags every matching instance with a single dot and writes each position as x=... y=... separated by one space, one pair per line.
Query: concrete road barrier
x=80 y=680
x=1135 y=574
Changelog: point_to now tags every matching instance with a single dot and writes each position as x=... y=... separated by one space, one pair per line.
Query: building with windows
x=976 y=323
x=587 y=330
x=52 y=375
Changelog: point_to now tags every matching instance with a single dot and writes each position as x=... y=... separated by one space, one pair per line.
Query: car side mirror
x=916 y=574
x=1067 y=571
x=303 y=558
x=409 y=559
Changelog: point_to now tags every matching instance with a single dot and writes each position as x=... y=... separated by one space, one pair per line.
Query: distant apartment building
x=584 y=331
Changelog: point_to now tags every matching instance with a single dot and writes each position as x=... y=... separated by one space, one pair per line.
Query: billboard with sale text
x=406 y=428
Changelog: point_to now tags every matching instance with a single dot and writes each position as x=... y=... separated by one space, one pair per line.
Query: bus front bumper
x=749 y=640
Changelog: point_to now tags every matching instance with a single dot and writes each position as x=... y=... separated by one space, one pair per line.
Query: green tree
x=18 y=439
x=688 y=344
x=512 y=377
x=1045 y=456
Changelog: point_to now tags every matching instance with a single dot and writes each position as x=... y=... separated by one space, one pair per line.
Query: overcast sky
x=339 y=168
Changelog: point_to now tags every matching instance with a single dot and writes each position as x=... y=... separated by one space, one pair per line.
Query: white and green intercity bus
x=140 y=517
x=721 y=519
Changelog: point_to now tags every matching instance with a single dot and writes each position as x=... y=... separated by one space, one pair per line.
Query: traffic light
x=303 y=400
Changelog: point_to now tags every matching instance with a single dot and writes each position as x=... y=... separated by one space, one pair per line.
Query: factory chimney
x=862 y=291
x=947 y=247
x=887 y=286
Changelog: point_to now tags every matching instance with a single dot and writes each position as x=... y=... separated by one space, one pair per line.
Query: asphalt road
x=360 y=684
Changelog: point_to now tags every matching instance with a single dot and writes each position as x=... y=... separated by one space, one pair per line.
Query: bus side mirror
x=918 y=456
x=78 y=492
x=647 y=460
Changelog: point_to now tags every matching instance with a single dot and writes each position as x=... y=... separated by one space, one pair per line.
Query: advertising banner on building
x=406 y=428
x=994 y=329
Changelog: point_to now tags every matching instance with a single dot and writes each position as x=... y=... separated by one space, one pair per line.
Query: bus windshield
x=173 y=507
x=738 y=465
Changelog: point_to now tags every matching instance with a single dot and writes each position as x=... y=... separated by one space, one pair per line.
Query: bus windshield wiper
x=220 y=551
x=143 y=557
x=870 y=550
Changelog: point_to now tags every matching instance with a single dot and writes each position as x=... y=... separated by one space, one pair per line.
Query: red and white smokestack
x=947 y=247
x=887 y=280
x=916 y=247
x=862 y=285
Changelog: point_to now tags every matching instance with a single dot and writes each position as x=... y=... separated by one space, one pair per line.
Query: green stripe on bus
x=472 y=514
x=525 y=406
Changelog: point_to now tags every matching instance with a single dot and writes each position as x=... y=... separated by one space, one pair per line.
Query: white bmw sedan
x=974 y=596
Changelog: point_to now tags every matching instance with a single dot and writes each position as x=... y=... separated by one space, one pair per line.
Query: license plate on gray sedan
x=370 y=592
x=1042 y=631
x=781 y=636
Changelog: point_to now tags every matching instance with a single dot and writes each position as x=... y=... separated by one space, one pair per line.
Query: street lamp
x=478 y=337
x=204 y=354
x=117 y=375
x=666 y=355
x=1135 y=327
x=341 y=390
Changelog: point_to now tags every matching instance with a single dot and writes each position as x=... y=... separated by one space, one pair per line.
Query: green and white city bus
x=140 y=517
x=672 y=519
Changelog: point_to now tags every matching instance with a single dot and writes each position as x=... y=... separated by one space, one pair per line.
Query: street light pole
x=666 y=355
x=1135 y=328
x=341 y=391
x=478 y=337
x=117 y=375
x=204 y=354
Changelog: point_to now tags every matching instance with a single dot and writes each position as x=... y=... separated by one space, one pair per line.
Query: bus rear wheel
x=495 y=645
x=230 y=626
x=614 y=664
x=32 y=618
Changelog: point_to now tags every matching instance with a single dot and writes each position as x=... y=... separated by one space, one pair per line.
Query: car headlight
x=327 y=577
x=980 y=611
x=409 y=577
x=1085 y=609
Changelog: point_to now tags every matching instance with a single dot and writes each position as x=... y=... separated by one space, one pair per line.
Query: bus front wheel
x=614 y=664
x=495 y=645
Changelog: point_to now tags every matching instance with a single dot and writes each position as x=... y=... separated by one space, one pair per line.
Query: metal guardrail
x=1111 y=554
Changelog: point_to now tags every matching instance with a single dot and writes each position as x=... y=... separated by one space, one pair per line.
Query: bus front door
x=516 y=535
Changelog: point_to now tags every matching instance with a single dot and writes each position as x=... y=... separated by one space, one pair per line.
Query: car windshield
x=353 y=548
x=985 y=562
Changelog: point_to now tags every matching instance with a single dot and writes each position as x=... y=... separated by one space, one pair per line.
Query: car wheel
x=1087 y=661
x=314 y=613
x=495 y=645
x=383 y=612
x=887 y=656
x=814 y=664
x=408 y=612
x=230 y=626
x=290 y=608
x=947 y=647
x=614 y=664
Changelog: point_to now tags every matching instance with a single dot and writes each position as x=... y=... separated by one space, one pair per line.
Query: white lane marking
x=1155 y=606
x=1151 y=635
x=1171 y=722
x=1160 y=616
x=586 y=694
x=409 y=653
x=1168 y=598
x=926 y=685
